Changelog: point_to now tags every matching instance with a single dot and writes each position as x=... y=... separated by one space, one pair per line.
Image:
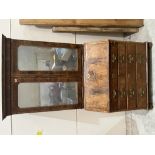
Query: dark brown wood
x=149 y=74
x=85 y=22
x=131 y=75
x=17 y=72
x=141 y=73
x=17 y=110
x=134 y=76
x=12 y=76
x=122 y=97
x=129 y=79
x=130 y=86
x=113 y=76
x=6 y=77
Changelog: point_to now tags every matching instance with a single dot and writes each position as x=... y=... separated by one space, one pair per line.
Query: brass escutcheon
x=142 y=92
x=131 y=92
x=114 y=58
x=121 y=59
x=130 y=58
x=122 y=93
x=114 y=93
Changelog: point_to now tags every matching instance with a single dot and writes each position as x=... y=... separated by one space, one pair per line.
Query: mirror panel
x=47 y=94
x=34 y=58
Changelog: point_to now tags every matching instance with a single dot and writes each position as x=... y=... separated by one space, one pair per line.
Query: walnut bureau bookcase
x=107 y=76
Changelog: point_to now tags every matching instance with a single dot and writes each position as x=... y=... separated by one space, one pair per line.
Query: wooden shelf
x=88 y=25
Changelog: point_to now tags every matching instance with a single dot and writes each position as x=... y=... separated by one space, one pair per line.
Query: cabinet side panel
x=96 y=76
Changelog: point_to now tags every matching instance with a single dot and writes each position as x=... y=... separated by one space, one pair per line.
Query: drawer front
x=131 y=76
x=128 y=76
x=113 y=58
x=141 y=63
x=122 y=100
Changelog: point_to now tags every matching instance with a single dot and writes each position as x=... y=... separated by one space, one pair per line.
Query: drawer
x=122 y=94
x=113 y=76
x=141 y=73
x=131 y=76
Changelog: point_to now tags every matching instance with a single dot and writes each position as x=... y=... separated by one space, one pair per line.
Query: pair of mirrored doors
x=41 y=76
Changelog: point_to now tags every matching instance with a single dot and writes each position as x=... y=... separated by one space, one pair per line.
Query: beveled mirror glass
x=47 y=94
x=35 y=58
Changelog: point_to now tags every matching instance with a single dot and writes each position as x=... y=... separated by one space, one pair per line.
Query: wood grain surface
x=96 y=76
x=136 y=23
x=95 y=29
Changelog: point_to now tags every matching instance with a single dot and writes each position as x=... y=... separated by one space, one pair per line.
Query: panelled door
x=41 y=76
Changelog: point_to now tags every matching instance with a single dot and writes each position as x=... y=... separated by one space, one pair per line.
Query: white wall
x=67 y=121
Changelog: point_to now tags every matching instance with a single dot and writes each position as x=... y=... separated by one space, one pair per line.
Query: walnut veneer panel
x=97 y=76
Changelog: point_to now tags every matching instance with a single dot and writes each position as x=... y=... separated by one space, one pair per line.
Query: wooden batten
x=95 y=30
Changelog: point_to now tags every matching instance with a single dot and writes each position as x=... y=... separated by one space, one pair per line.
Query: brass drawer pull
x=122 y=93
x=121 y=59
x=140 y=59
x=114 y=93
x=130 y=58
x=91 y=75
x=142 y=92
x=131 y=92
x=114 y=58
